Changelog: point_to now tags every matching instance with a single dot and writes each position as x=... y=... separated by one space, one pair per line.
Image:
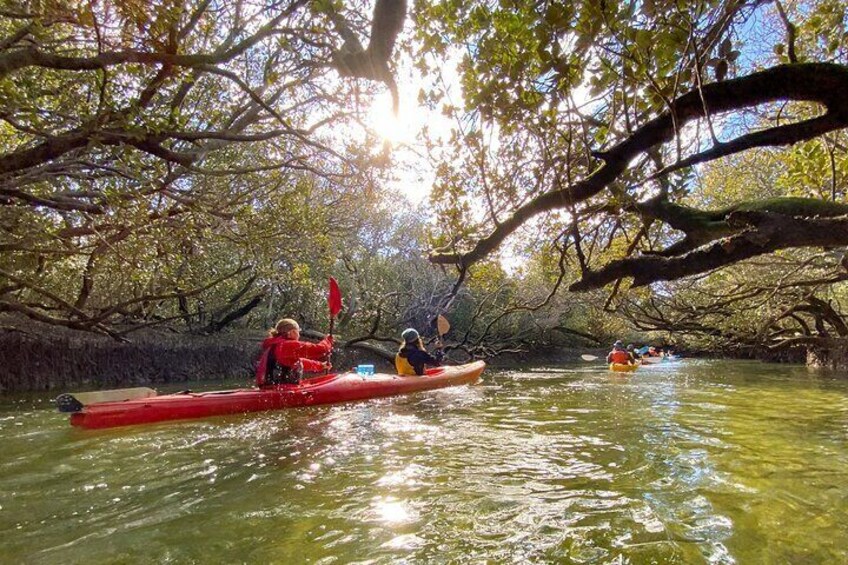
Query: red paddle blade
x=334 y=299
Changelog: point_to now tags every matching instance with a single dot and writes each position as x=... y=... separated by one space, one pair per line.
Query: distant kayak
x=622 y=367
x=327 y=389
x=651 y=360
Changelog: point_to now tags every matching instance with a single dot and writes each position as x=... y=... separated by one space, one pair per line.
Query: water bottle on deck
x=365 y=370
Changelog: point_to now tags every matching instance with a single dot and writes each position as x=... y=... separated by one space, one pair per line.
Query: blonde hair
x=283 y=327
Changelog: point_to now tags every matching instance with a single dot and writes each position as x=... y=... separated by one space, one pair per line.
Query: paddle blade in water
x=588 y=357
x=443 y=325
x=334 y=299
x=75 y=402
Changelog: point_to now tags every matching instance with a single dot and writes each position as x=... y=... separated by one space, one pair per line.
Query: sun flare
x=389 y=127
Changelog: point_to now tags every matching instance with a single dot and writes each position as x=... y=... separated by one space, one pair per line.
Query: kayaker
x=631 y=349
x=620 y=355
x=412 y=357
x=285 y=357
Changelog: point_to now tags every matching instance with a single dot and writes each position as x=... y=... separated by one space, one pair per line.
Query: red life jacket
x=620 y=356
x=289 y=353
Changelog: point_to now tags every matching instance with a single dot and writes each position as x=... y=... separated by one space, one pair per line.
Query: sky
x=411 y=166
x=414 y=172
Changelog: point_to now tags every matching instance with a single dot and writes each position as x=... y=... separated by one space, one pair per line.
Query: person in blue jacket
x=412 y=357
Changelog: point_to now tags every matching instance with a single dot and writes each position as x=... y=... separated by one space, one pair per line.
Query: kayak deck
x=326 y=389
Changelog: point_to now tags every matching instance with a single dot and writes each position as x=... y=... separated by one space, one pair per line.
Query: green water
x=695 y=462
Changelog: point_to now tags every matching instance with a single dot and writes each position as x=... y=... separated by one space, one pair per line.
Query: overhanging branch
x=762 y=232
x=812 y=82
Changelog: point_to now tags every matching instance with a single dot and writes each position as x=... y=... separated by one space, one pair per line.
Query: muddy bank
x=41 y=359
x=55 y=360
x=49 y=359
x=34 y=358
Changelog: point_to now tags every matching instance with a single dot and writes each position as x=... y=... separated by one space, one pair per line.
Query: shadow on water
x=693 y=462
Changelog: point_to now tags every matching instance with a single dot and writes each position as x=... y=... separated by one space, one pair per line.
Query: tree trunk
x=833 y=356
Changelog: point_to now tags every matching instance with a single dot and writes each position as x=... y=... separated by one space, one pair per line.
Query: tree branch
x=813 y=82
x=762 y=232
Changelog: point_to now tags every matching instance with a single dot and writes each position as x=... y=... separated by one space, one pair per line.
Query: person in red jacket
x=285 y=358
x=620 y=355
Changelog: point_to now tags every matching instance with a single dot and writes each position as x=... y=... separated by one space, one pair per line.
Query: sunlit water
x=695 y=462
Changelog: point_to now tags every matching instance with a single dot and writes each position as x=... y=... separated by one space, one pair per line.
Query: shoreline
x=34 y=359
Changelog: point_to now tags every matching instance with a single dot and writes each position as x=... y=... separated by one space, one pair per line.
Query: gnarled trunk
x=834 y=355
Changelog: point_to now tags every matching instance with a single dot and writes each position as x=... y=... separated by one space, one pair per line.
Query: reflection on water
x=695 y=462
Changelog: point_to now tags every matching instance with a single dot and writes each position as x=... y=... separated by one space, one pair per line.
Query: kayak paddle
x=443 y=327
x=334 y=302
x=75 y=402
x=586 y=357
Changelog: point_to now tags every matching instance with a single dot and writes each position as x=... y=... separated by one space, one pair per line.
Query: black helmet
x=409 y=335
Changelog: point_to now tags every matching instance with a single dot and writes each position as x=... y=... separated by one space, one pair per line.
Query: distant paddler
x=620 y=359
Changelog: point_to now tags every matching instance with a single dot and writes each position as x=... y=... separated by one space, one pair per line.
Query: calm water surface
x=694 y=462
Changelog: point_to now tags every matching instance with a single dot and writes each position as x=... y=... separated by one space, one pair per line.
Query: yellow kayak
x=622 y=367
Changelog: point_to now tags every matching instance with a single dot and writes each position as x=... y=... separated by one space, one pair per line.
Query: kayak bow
x=325 y=389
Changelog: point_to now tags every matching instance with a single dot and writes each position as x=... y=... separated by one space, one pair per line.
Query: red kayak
x=327 y=389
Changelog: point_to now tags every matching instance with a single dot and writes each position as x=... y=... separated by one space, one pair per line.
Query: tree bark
x=763 y=233
x=813 y=82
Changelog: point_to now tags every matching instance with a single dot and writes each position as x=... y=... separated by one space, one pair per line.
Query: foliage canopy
x=190 y=160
